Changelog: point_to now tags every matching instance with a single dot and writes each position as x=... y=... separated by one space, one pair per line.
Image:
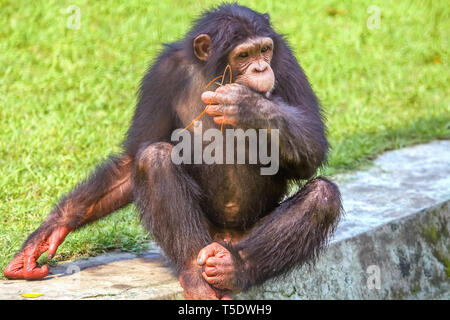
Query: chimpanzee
x=225 y=227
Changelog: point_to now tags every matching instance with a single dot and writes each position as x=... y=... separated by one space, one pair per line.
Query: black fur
x=303 y=149
x=180 y=203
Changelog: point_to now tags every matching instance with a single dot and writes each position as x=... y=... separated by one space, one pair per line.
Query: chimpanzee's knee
x=154 y=156
x=324 y=199
x=153 y=164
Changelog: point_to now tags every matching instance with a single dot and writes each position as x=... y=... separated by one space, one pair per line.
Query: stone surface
x=399 y=183
x=404 y=259
x=396 y=224
x=110 y=276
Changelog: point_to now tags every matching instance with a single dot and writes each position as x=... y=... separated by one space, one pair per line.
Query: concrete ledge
x=405 y=259
x=111 y=276
x=392 y=244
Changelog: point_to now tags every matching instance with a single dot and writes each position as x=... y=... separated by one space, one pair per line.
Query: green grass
x=67 y=95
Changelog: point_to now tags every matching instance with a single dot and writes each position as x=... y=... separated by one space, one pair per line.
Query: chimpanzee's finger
x=210 y=271
x=205 y=253
x=23 y=266
x=226 y=120
x=57 y=237
x=55 y=241
x=215 y=110
x=209 y=251
x=212 y=261
x=14 y=274
x=230 y=110
x=208 y=97
x=14 y=270
x=234 y=88
x=219 y=120
x=219 y=110
x=218 y=98
x=52 y=250
x=36 y=273
x=223 y=89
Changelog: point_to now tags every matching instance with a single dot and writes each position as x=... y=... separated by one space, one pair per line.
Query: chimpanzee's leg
x=104 y=191
x=293 y=234
x=168 y=200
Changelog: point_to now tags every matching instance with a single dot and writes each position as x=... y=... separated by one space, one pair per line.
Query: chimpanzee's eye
x=265 y=48
x=243 y=54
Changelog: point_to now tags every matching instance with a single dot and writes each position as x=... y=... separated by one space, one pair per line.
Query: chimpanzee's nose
x=259 y=67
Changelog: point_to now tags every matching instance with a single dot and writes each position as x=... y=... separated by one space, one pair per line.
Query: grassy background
x=67 y=96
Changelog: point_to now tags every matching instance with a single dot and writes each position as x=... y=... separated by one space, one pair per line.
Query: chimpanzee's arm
x=303 y=145
x=106 y=190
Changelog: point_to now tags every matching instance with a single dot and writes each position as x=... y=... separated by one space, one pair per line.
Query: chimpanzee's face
x=249 y=61
x=250 y=64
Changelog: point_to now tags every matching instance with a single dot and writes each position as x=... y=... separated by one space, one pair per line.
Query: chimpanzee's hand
x=196 y=288
x=219 y=268
x=237 y=105
x=23 y=265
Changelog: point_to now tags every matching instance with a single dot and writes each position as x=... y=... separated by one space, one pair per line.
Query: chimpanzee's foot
x=196 y=288
x=24 y=266
x=219 y=269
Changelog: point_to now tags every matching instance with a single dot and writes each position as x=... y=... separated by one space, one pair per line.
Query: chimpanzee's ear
x=267 y=16
x=202 y=46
